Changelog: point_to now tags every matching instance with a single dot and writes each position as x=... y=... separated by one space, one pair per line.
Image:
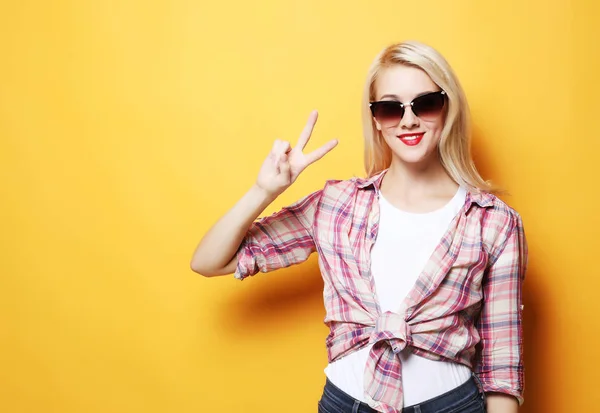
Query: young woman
x=422 y=265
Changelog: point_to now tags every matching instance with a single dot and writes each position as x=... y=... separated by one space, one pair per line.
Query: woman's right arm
x=216 y=252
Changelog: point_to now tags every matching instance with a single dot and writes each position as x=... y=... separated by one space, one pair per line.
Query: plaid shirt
x=465 y=307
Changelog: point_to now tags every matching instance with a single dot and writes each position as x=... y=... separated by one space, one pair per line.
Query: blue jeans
x=466 y=398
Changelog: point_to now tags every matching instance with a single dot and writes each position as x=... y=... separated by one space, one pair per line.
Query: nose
x=409 y=120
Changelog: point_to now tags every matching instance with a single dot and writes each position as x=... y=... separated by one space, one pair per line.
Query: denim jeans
x=466 y=398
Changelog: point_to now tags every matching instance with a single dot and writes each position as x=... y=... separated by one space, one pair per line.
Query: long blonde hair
x=454 y=147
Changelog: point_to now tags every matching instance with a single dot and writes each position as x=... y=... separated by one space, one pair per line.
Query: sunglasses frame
x=373 y=105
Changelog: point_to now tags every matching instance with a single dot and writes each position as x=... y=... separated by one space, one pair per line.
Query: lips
x=411 y=139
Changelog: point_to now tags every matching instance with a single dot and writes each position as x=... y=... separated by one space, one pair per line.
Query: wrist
x=262 y=195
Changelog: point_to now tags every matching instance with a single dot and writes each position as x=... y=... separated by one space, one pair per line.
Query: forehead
x=404 y=82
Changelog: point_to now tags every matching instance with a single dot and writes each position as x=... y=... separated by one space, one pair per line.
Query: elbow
x=200 y=269
x=200 y=264
x=209 y=268
x=208 y=271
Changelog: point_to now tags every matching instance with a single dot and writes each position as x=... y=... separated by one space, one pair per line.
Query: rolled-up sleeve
x=282 y=239
x=500 y=326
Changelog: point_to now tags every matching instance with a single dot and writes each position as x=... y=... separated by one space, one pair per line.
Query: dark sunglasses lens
x=388 y=113
x=428 y=106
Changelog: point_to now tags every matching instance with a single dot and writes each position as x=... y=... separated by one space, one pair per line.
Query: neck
x=409 y=180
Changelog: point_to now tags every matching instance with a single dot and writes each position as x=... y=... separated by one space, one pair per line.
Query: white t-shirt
x=404 y=244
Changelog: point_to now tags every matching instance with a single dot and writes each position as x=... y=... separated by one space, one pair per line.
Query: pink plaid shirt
x=466 y=305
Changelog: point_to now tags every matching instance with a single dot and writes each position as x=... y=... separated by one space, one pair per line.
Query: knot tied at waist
x=383 y=372
x=392 y=328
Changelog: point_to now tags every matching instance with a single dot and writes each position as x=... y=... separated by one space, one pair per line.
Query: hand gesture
x=284 y=164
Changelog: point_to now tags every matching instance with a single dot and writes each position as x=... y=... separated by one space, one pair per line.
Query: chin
x=414 y=158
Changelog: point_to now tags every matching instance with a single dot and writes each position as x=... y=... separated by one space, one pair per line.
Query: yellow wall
x=128 y=127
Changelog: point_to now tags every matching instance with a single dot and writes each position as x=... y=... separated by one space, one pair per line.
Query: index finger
x=307 y=131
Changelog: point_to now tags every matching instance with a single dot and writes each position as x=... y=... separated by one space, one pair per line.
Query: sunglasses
x=389 y=113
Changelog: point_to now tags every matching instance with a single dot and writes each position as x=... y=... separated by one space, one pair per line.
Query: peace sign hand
x=284 y=164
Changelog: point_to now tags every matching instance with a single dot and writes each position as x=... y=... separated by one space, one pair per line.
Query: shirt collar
x=481 y=198
x=375 y=180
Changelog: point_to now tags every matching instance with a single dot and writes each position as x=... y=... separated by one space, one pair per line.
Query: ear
x=377 y=124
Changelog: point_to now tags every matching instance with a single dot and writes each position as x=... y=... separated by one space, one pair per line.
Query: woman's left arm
x=500 y=366
x=501 y=403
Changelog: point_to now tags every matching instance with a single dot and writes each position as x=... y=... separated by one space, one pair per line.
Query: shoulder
x=342 y=197
x=340 y=188
x=343 y=183
x=332 y=193
x=499 y=220
x=496 y=210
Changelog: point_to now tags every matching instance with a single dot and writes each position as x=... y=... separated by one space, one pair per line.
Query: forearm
x=215 y=254
x=501 y=403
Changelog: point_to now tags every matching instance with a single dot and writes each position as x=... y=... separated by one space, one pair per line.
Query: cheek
x=389 y=135
x=435 y=128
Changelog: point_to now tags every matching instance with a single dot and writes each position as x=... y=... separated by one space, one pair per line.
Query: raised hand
x=284 y=164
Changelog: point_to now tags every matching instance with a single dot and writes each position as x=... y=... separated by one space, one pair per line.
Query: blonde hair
x=454 y=146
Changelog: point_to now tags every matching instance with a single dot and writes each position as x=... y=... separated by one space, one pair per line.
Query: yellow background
x=128 y=127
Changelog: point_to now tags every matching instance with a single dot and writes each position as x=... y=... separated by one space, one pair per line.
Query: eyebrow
x=396 y=97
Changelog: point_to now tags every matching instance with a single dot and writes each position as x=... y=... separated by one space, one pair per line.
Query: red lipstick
x=411 y=139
